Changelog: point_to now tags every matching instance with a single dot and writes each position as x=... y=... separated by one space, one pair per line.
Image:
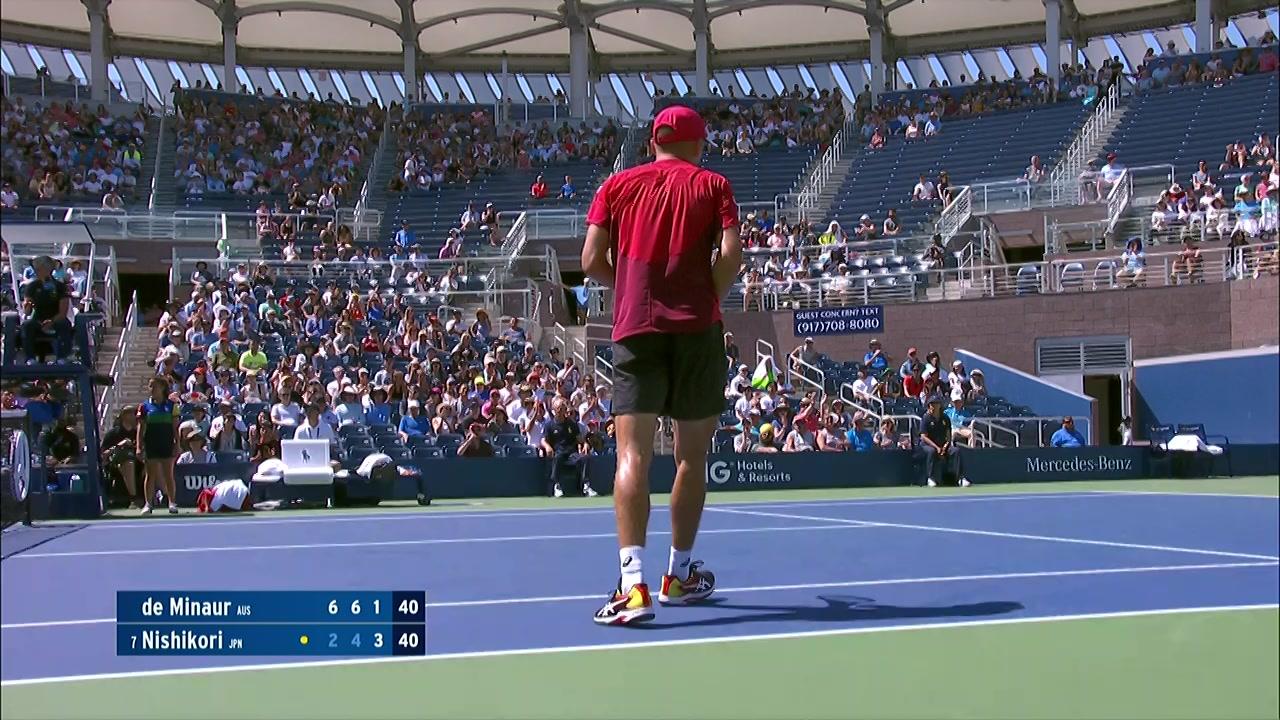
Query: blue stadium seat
x=429 y=453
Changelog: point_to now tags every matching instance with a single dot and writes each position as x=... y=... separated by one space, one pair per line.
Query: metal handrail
x=371 y=176
x=1001 y=196
x=513 y=244
x=955 y=214
x=15 y=280
x=764 y=349
x=965 y=258
x=821 y=170
x=560 y=338
x=820 y=384
x=603 y=375
x=1118 y=199
x=111 y=395
x=155 y=171
x=987 y=439
x=986 y=281
x=992 y=424
x=913 y=422
x=179 y=225
x=873 y=406
x=182 y=266
x=1063 y=177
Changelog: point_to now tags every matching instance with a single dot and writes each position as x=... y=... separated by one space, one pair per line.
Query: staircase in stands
x=822 y=207
x=137 y=372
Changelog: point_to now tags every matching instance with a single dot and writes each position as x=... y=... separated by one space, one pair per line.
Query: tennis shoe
x=698 y=586
x=629 y=608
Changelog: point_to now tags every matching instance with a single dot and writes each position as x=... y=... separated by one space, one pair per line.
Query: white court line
x=774 y=588
x=638 y=645
x=829 y=525
x=993 y=533
x=160 y=523
x=1185 y=493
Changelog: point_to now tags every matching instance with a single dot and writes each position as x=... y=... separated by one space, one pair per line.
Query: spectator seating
x=874 y=276
x=764 y=174
x=837 y=373
x=986 y=148
x=355 y=442
x=49 y=88
x=122 y=148
x=1184 y=125
x=226 y=117
x=432 y=214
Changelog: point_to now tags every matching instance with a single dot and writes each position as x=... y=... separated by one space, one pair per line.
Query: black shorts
x=681 y=376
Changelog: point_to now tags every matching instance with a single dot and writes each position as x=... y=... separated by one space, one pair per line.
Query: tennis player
x=664 y=236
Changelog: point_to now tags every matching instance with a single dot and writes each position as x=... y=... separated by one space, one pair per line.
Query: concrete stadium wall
x=1042 y=396
x=1233 y=394
x=1161 y=322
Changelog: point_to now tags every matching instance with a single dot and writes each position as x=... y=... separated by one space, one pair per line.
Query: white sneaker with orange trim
x=698 y=586
x=629 y=608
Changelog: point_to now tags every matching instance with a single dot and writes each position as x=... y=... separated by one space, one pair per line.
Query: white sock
x=631 y=565
x=678 y=565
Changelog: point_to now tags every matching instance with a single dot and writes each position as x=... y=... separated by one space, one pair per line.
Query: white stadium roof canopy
x=624 y=35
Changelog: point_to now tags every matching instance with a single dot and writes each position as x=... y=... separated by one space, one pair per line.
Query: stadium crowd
x=248 y=361
x=743 y=126
x=768 y=415
x=65 y=152
x=1210 y=206
x=302 y=149
x=791 y=261
x=438 y=148
x=1171 y=69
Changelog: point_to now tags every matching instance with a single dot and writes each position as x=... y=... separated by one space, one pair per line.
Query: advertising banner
x=1056 y=464
x=191 y=478
x=838 y=321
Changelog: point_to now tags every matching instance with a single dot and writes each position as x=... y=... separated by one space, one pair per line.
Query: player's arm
x=596 y=263
x=728 y=261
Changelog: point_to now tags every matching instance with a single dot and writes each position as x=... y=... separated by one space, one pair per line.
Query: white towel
x=1191 y=443
x=371 y=463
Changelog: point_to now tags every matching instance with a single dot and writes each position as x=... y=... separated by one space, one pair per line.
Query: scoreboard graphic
x=294 y=623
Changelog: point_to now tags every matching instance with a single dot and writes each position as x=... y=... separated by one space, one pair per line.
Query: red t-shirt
x=663 y=219
x=913 y=386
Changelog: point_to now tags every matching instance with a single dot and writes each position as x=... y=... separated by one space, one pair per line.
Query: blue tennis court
x=500 y=581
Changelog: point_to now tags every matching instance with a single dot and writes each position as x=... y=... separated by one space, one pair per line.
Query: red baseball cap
x=683 y=124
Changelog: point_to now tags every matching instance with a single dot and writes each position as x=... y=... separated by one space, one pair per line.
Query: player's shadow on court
x=836 y=609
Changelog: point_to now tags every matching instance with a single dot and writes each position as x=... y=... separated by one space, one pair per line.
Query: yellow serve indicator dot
x=304 y=639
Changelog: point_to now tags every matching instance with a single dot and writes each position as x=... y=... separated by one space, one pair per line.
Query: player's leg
x=153 y=471
x=640 y=392
x=685 y=581
x=631 y=485
x=170 y=486
x=631 y=602
x=696 y=401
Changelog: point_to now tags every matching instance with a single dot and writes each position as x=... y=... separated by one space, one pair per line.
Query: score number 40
x=408 y=606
